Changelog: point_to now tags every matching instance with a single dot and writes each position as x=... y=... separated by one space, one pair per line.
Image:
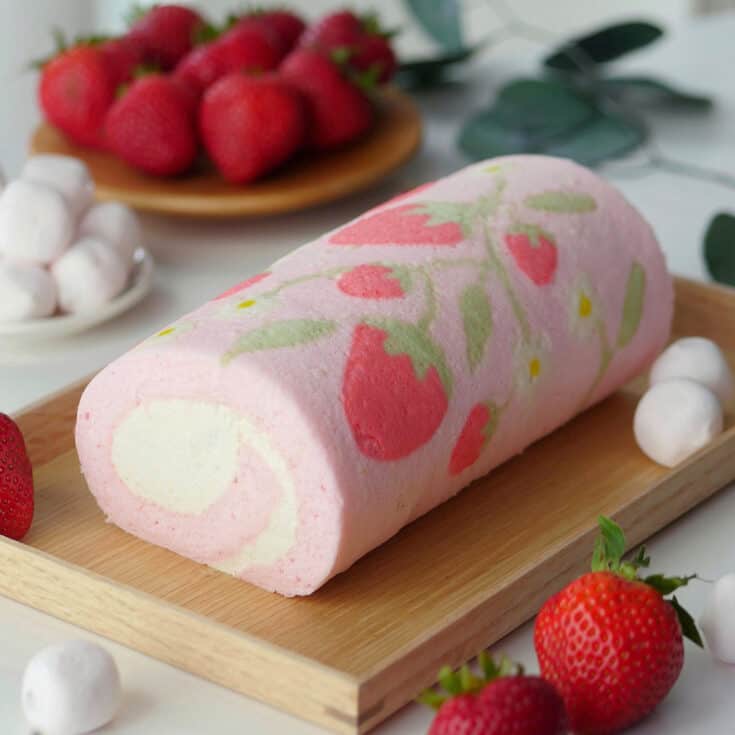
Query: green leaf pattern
x=477 y=321
x=563 y=202
x=286 y=333
x=635 y=293
x=474 y=304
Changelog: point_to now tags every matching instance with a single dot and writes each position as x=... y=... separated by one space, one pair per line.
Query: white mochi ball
x=36 y=225
x=90 y=274
x=675 y=419
x=71 y=688
x=697 y=359
x=68 y=175
x=718 y=620
x=115 y=223
x=27 y=291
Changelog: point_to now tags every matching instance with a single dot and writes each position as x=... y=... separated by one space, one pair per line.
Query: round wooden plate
x=308 y=180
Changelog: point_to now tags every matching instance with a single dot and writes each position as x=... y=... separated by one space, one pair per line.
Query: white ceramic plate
x=141 y=281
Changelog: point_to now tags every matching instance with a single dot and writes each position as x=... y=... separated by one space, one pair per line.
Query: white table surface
x=196 y=260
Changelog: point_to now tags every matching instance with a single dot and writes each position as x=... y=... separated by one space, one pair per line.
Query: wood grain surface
x=446 y=586
x=308 y=180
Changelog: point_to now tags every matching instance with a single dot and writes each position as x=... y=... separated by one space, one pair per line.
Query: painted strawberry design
x=375 y=282
x=475 y=434
x=433 y=223
x=242 y=286
x=395 y=389
x=534 y=251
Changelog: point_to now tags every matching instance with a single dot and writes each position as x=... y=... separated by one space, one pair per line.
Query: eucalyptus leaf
x=527 y=115
x=604 y=45
x=719 y=248
x=418 y=73
x=544 y=106
x=649 y=91
x=441 y=19
x=604 y=137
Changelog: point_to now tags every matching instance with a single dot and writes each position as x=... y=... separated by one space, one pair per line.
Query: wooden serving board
x=450 y=584
x=308 y=180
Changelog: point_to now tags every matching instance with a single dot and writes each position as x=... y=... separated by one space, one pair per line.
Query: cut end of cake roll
x=199 y=472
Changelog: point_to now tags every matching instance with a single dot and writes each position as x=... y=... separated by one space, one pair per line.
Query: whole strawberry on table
x=16 y=482
x=610 y=647
x=251 y=94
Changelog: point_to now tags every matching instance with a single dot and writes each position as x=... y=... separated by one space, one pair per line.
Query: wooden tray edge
x=233 y=659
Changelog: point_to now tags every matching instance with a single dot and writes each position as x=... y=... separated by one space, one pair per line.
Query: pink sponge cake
x=300 y=419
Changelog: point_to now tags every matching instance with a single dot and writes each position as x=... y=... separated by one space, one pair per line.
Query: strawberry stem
x=464 y=681
x=608 y=557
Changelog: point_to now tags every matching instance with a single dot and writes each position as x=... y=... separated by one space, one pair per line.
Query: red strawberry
x=375 y=55
x=339 y=111
x=152 y=128
x=75 y=92
x=167 y=33
x=286 y=24
x=609 y=642
x=336 y=30
x=534 y=251
x=249 y=46
x=372 y=282
x=475 y=434
x=395 y=388
x=237 y=111
x=200 y=68
x=409 y=224
x=500 y=703
x=242 y=286
x=244 y=48
x=16 y=482
x=122 y=56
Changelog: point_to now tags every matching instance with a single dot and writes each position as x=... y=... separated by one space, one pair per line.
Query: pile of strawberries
x=252 y=94
x=610 y=647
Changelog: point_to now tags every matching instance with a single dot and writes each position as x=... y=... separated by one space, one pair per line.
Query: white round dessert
x=70 y=688
x=675 y=419
x=27 y=291
x=90 y=274
x=36 y=225
x=66 y=174
x=698 y=359
x=115 y=223
x=718 y=620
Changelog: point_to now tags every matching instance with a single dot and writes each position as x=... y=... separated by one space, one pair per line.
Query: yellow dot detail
x=246 y=304
x=166 y=332
x=585 y=306
x=534 y=367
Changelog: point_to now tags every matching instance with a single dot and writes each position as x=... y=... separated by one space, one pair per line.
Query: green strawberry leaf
x=667 y=585
x=603 y=45
x=609 y=546
x=635 y=292
x=287 y=333
x=465 y=681
x=533 y=232
x=405 y=338
x=686 y=621
x=490 y=427
x=441 y=19
x=719 y=248
x=402 y=274
x=477 y=320
x=562 y=202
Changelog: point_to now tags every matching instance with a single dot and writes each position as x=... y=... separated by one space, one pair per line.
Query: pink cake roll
x=300 y=419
